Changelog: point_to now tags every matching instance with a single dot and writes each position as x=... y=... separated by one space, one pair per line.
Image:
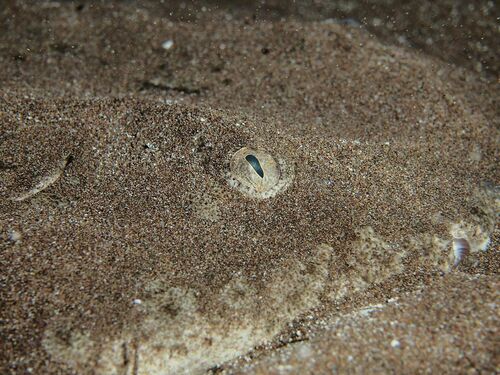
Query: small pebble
x=395 y=343
x=14 y=235
x=168 y=44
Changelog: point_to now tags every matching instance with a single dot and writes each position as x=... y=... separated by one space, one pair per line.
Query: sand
x=233 y=189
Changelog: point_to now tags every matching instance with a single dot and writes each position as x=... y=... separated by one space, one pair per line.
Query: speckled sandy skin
x=393 y=335
x=128 y=248
x=121 y=224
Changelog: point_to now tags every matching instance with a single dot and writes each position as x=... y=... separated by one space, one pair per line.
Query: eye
x=258 y=174
x=254 y=162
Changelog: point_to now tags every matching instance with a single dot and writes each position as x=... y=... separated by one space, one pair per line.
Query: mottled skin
x=127 y=194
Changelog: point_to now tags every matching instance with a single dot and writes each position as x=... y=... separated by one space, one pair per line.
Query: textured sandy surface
x=135 y=239
x=452 y=334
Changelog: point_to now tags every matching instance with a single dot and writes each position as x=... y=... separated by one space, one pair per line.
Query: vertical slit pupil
x=254 y=162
